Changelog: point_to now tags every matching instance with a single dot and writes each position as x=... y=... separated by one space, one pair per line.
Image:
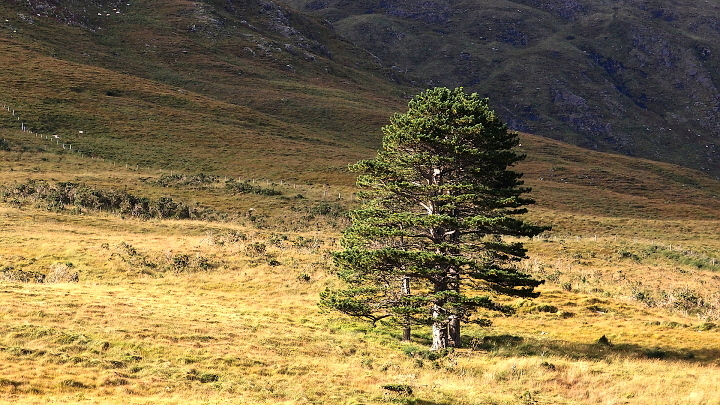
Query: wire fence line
x=318 y=190
x=56 y=138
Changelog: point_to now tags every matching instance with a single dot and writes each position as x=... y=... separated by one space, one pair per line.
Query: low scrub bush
x=226 y=237
x=59 y=273
x=76 y=197
x=399 y=389
x=158 y=264
x=248 y=188
x=328 y=209
x=200 y=180
x=9 y=273
x=62 y=273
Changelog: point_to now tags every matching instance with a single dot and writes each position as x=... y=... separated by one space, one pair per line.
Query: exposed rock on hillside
x=636 y=77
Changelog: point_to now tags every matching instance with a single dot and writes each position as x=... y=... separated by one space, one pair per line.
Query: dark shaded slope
x=637 y=77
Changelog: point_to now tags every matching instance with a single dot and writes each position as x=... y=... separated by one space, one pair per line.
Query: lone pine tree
x=426 y=246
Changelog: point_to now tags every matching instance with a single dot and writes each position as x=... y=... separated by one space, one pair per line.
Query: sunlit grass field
x=225 y=311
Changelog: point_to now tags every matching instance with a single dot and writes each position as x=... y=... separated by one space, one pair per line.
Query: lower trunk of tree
x=454 y=331
x=406 y=291
x=439 y=330
x=440 y=336
x=445 y=333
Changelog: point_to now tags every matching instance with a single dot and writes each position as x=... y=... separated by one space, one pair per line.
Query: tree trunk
x=439 y=334
x=439 y=330
x=406 y=328
x=406 y=334
x=446 y=333
x=454 y=331
x=454 y=320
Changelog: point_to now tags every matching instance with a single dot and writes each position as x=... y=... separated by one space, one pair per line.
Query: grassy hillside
x=224 y=310
x=235 y=84
x=175 y=254
x=637 y=77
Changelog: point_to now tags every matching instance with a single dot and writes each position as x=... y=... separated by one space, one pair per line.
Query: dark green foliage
x=328 y=208
x=64 y=195
x=248 y=188
x=426 y=246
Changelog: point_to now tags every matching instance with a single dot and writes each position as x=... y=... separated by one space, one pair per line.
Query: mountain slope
x=637 y=77
x=194 y=85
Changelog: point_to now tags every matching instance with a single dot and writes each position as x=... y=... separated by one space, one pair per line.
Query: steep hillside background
x=241 y=87
x=636 y=77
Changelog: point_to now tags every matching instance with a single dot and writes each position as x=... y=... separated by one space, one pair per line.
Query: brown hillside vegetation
x=145 y=89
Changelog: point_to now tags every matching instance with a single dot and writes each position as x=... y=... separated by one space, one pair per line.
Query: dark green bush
x=247 y=188
x=74 y=197
x=328 y=209
x=400 y=389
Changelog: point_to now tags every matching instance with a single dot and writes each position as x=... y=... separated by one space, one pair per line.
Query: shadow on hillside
x=509 y=345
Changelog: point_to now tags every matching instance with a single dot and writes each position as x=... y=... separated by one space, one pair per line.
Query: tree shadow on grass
x=511 y=346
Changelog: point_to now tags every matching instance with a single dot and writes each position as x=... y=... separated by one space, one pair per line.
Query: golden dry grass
x=170 y=311
x=246 y=329
x=248 y=332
